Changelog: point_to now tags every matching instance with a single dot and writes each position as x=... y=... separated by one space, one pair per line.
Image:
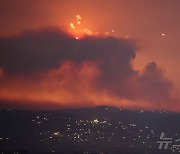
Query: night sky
x=76 y=53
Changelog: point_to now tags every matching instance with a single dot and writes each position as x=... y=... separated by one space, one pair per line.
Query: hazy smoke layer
x=49 y=66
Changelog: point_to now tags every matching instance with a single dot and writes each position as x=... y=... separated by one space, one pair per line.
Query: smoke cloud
x=50 y=67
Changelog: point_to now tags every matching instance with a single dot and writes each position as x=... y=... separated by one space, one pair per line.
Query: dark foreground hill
x=88 y=130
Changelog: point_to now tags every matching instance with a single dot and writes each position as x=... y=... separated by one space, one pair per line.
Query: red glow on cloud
x=70 y=85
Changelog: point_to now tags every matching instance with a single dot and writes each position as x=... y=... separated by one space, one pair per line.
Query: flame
x=78 y=22
x=72 y=26
x=78 y=17
x=78 y=30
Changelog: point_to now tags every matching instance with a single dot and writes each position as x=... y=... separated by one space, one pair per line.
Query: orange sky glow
x=154 y=26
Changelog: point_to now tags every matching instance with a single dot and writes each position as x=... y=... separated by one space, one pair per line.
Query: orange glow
x=78 y=22
x=72 y=26
x=70 y=85
x=95 y=18
x=78 y=17
x=1 y=72
x=78 y=30
x=106 y=33
x=88 y=32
